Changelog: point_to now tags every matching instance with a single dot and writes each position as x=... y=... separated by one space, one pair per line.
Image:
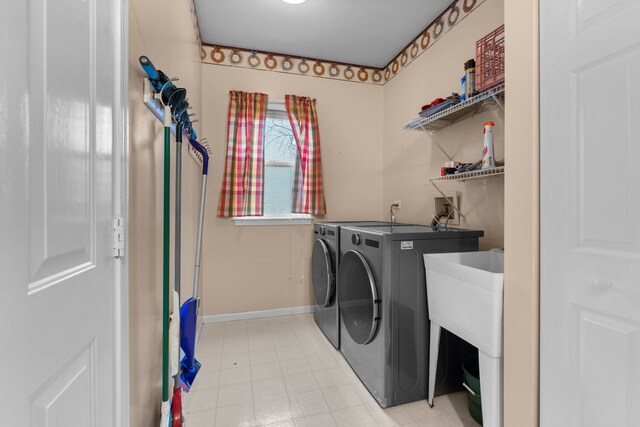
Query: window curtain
x=308 y=192
x=242 y=187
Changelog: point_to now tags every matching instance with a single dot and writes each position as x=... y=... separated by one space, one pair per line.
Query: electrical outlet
x=398 y=204
x=443 y=208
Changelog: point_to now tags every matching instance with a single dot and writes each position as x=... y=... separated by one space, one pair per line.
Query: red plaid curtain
x=308 y=192
x=242 y=187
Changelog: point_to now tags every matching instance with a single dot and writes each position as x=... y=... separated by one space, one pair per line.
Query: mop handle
x=178 y=209
x=165 y=254
x=196 y=270
x=203 y=191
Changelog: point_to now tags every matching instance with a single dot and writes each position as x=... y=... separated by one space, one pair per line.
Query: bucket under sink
x=465 y=296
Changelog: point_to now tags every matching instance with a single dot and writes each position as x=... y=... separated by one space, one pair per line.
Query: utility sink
x=464 y=294
x=465 y=297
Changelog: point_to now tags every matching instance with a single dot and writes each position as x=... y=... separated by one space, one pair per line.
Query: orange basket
x=490 y=60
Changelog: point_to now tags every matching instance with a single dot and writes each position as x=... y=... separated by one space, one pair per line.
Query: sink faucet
x=391 y=214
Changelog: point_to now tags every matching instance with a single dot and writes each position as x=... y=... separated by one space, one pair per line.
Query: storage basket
x=490 y=60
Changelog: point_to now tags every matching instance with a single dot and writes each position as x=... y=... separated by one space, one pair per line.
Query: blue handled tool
x=189 y=311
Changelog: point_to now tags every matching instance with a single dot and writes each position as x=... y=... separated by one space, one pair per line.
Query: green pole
x=165 y=254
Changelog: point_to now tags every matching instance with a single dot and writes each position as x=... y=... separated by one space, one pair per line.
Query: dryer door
x=322 y=273
x=359 y=303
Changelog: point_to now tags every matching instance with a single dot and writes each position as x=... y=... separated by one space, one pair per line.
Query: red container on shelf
x=490 y=60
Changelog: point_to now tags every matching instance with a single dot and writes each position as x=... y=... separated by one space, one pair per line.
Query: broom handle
x=178 y=231
x=203 y=192
x=165 y=254
x=178 y=209
x=196 y=277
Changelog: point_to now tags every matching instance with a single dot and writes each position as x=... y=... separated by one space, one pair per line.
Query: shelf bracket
x=438 y=144
x=453 y=205
x=445 y=153
x=497 y=100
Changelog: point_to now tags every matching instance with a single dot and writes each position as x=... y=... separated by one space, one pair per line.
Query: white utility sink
x=465 y=296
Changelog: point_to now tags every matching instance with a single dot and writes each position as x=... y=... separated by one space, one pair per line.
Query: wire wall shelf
x=465 y=176
x=485 y=101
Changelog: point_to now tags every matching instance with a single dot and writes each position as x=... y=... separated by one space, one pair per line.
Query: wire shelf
x=483 y=173
x=487 y=100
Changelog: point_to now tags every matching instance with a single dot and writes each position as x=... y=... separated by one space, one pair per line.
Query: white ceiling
x=362 y=32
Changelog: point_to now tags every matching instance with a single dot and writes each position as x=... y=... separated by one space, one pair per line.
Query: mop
x=189 y=311
x=183 y=122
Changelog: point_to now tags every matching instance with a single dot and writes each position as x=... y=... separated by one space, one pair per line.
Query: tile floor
x=283 y=372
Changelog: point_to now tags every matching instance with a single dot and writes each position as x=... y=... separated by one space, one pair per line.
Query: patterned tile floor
x=283 y=372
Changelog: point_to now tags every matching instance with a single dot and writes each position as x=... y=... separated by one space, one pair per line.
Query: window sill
x=294 y=219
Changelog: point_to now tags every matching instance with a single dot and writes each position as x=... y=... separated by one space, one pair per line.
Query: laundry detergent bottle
x=488 y=159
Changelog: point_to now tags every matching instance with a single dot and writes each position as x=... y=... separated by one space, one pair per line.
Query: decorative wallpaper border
x=267 y=61
x=434 y=32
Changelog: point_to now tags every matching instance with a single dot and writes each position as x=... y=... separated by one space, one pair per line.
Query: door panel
x=604 y=369
x=61 y=92
x=72 y=390
x=61 y=151
x=57 y=293
x=605 y=136
x=590 y=205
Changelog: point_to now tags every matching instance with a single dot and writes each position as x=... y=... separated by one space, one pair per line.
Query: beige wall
x=521 y=296
x=174 y=49
x=411 y=157
x=267 y=267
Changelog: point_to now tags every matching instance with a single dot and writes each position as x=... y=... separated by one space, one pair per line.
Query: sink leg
x=491 y=389
x=434 y=344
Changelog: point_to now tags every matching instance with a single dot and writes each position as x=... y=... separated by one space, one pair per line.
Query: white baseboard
x=216 y=318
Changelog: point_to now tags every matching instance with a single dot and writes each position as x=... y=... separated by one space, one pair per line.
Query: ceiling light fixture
x=294 y=1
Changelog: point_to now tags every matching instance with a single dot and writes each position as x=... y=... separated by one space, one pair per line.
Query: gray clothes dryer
x=384 y=323
x=325 y=259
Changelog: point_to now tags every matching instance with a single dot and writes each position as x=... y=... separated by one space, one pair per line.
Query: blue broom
x=189 y=310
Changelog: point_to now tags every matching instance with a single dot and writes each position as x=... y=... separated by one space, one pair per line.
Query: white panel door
x=57 y=275
x=590 y=213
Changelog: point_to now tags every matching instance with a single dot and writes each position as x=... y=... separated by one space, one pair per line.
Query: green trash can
x=471 y=370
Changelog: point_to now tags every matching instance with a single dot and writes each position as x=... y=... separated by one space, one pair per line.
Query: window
x=280 y=155
x=279 y=163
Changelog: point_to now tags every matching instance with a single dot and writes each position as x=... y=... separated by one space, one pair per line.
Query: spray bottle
x=488 y=159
